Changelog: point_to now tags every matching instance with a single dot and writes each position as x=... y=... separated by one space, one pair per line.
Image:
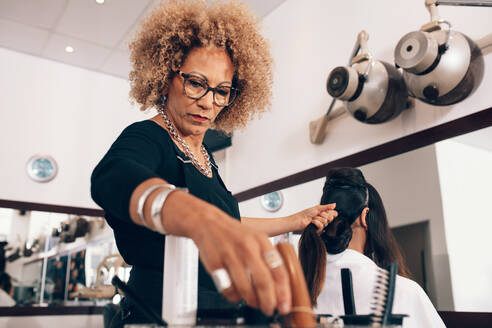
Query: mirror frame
x=465 y=124
x=28 y=206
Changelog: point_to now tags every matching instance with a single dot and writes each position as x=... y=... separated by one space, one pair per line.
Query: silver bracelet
x=157 y=205
x=143 y=198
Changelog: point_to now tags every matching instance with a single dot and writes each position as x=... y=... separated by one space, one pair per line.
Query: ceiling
x=98 y=33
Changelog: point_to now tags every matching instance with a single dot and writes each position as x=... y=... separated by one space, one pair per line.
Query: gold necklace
x=172 y=130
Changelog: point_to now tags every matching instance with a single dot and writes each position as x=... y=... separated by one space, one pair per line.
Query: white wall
x=410 y=189
x=74 y=114
x=466 y=180
x=309 y=38
x=6 y=215
x=70 y=113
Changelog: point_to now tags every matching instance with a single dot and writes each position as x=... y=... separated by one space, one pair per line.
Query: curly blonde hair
x=175 y=27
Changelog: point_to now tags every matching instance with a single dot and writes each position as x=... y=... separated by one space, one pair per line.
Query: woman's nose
x=207 y=101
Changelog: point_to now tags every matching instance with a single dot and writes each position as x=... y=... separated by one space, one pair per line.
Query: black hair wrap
x=337 y=236
x=344 y=183
x=348 y=191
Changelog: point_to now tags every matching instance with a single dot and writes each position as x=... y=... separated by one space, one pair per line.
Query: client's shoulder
x=409 y=287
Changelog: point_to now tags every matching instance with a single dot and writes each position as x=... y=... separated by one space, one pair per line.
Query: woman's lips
x=199 y=118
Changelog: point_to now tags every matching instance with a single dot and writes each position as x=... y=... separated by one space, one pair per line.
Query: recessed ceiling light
x=69 y=49
x=100 y=1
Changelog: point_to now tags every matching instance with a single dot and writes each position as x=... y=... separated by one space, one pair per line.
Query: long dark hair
x=347 y=188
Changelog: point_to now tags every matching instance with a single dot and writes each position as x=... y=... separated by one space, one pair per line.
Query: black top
x=145 y=150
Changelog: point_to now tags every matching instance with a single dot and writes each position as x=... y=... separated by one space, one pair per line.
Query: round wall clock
x=272 y=202
x=42 y=168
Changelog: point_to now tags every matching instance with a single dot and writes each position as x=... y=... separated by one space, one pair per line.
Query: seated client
x=359 y=239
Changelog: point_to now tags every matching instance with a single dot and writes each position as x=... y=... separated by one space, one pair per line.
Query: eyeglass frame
x=186 y=76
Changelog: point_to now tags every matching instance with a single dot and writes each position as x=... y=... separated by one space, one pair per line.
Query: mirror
x=436 y=198
x=57 y=258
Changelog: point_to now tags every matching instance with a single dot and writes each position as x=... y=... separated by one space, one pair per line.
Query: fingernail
x=284 y=308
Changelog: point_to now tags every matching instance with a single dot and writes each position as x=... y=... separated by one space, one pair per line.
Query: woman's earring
x=163 y=100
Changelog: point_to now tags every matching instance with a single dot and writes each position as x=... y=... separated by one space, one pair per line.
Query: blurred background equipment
x=217 y=140
x=108 y=267
x=6 y=290
x=3 y=260
x=75 y=228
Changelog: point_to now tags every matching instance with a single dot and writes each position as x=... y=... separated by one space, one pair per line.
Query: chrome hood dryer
x=440 y=66
x=373 y=91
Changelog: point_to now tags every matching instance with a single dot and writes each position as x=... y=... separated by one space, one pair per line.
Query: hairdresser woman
x=200 y=66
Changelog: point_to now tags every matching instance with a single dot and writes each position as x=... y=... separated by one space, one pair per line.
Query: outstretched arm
x=320 y=215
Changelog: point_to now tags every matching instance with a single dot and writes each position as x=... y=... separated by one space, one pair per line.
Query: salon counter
x=466 y=319
x=52 y=316
x=450 y=318
x=91 y=316
x=18 y=311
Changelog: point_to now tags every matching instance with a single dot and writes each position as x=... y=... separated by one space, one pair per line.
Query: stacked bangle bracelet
x=157 y=208
x=157 y=204
x=143 y=198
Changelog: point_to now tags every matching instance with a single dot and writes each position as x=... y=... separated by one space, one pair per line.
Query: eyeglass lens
x=196 y=87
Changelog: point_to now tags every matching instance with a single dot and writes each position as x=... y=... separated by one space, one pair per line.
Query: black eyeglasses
x=196 y=87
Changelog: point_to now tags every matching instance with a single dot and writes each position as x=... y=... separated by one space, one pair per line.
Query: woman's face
x=192 y=116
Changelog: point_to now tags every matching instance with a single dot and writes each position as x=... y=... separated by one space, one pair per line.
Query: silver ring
x=221 y=279
x=273 y=259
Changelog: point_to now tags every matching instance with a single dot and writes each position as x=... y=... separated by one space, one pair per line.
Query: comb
x=383 y=295
x=382 y=300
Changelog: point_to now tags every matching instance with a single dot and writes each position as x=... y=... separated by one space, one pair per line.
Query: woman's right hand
x=224 y=243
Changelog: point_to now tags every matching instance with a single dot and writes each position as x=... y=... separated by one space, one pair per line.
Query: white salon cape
x=409 y=297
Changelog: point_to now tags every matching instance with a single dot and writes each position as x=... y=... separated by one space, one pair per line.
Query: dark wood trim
x=466 y=319
x=26 y=206
x=20 y=311
x=469 y=123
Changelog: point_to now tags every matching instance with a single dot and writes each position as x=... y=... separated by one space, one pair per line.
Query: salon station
x=225 y=163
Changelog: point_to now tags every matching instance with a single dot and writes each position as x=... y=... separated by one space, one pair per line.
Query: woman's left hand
x=319 y=215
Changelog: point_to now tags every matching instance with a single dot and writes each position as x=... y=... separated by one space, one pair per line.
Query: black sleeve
x=132 y=159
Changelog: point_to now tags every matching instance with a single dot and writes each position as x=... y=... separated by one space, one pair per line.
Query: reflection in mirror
x=55 y=280
x=28 y=289
x=437 y=199
x=58 y=259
